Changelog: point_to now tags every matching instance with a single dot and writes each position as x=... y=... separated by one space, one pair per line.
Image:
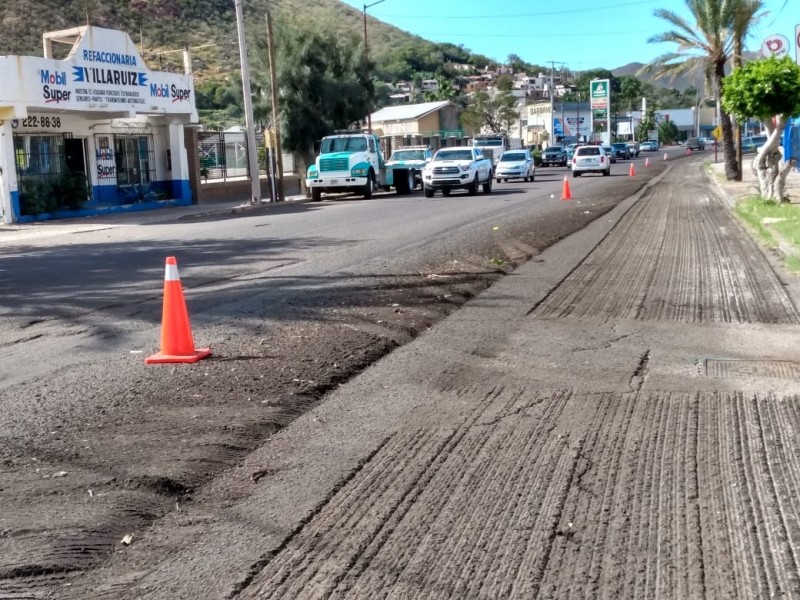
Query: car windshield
x=554 y=149
x=488 y=141
x=454 y=155
x=588 y=151
x=343 y=144
x=759 y=139
x=512 y=157
x=408 y=155
x=622 y=146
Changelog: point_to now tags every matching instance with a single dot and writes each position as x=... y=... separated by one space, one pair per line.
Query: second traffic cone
x=646 y=162
x=566 y=193
x=177 y=344
x=632 y=171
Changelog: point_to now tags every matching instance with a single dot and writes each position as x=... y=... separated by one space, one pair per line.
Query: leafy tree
x=647 y=124
x=766 y=89
x=322 y=88
x=707 y=46
x=494 y=111
x=667 y=132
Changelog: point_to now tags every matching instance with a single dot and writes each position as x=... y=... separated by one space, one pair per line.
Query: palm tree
x=707 y=46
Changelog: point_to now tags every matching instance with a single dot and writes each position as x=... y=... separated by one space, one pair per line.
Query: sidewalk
x=616 y=418
x=748 y=186
x=20 y=232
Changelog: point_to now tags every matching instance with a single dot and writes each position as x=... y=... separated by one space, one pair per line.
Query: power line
x=537 y=35
x=785 y=2
x=524 y=15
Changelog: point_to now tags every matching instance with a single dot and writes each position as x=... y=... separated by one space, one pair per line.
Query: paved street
x=615 y=419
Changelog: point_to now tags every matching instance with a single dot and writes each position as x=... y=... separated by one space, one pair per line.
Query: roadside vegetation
x=776 y=224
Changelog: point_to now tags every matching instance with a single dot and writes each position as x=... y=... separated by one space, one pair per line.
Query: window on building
x=135 y=160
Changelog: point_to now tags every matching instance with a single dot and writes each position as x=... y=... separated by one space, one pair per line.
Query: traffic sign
x=716 y=133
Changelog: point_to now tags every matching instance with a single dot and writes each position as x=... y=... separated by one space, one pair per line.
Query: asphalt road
x=295 y=300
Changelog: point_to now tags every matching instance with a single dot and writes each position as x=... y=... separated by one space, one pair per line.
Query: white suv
x=590 y=159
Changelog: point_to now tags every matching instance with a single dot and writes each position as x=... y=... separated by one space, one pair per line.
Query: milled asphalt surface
x=615 y=419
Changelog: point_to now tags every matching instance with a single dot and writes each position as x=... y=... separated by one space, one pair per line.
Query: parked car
x=648 y=146
x=554 y=155
x=590 y=159
x=623 y=151
x=515 y=164
x=413 y=158
x=459 y=167
x=752 y=143
x=695 y=144
x=611 y=153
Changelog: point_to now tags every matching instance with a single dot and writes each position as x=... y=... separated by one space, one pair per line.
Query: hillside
x=165 y=25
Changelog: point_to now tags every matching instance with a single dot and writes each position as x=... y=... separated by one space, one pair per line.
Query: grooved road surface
x=617 y=418
x=639 y=474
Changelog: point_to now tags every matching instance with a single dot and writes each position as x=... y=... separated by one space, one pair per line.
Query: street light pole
x=252 y=151
x=366 y=64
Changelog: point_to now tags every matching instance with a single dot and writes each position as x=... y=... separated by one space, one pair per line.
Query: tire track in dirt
x=670 y=276
x=668 y=495
x=425 y=527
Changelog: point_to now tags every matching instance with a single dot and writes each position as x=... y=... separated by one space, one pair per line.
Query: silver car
x=515 y=164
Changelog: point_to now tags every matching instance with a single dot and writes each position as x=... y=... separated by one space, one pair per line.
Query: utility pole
x=252 y=151
x=276 y=119
x=552 y=106
x=366 y=65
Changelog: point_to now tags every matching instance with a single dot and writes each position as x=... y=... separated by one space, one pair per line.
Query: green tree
x=322 y=85
x=667 y=132
x=766 y=89
x=707 y=46
x=494 y=111
x=646 y=125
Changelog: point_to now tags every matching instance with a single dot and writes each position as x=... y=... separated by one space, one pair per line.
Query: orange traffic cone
x=665 y=156
x=688 y=151
x=631 y=171
x=566 y=193
x=646 y=162
x=177 y=344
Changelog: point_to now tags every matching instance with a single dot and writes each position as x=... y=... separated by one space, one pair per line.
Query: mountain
x=207 y=27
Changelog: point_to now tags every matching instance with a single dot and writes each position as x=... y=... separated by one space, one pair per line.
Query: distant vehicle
x=623 y=150
x=460 y=167
x=708 y=141
x=648 y=146
x=493 y=145
x=412 y=158
x=752 y=143
x=633 y=149
x=570 y=150
x=695 y=144
x=515 y=164
x=590 y=159
x=611 y=152
x=554 y=155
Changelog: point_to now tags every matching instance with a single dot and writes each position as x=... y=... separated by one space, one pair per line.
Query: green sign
x=599 y=93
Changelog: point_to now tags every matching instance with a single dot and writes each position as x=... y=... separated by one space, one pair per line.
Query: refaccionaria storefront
x=93 y=133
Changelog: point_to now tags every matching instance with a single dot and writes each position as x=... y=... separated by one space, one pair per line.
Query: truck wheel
x=429 y=192
x=369 y=186
x=472 y=190
x=487 y=187
x=316 y=194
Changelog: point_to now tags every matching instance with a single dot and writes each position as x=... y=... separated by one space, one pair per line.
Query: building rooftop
x=407 y=112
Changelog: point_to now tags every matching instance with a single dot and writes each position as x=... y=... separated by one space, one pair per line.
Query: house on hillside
x=433 y=124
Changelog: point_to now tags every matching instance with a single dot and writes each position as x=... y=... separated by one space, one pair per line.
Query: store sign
x=104 y=72
x=776 y=45
x=599 y=93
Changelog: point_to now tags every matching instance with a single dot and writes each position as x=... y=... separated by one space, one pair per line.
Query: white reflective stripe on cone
x=171 y=273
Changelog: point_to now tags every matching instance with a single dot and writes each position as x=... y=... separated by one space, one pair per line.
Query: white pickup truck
x=462 y=167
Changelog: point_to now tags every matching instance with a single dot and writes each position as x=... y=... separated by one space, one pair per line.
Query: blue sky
x=581 y=34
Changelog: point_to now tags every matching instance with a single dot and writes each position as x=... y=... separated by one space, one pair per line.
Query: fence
x=223 y=155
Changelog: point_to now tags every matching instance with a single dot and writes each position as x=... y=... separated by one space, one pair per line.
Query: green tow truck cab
x=353 y=162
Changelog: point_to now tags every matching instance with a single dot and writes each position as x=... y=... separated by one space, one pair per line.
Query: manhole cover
x=733 y=369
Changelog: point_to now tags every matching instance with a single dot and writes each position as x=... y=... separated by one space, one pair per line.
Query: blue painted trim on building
x=181 y=189
x=15 y=204
x=106 y=210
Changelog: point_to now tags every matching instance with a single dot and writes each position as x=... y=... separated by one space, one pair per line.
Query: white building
x=94 y=132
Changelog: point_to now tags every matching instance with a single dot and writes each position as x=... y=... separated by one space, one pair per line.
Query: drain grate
x=733 y=369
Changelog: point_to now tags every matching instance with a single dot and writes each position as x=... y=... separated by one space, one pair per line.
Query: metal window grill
x=44 y=181
x=135 y=162
x=223 y=155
